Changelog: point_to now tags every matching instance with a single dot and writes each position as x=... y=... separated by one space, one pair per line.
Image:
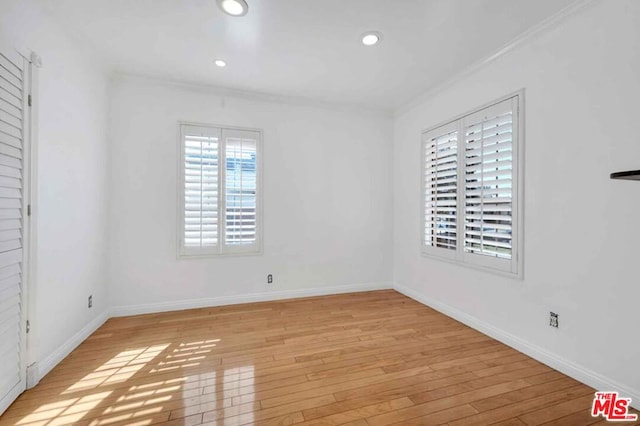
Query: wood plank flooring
x=362 y=359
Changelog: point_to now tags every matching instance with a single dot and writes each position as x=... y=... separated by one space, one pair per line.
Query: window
x=471 y=178
x=219 y=192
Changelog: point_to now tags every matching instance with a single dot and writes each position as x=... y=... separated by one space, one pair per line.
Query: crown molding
x=224 y=92
x=529 y=35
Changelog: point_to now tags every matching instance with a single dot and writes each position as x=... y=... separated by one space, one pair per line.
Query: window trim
x=460 y=257
x=185 y=253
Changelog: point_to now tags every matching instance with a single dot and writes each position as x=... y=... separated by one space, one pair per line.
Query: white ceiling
x=303 y=48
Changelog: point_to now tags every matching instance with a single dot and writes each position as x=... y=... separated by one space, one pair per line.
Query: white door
x=14 y=76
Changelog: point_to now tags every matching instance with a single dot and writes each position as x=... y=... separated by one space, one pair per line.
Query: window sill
x=518 y=276
x=182 y=256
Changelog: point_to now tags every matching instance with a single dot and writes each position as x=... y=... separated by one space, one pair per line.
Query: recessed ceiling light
x=234 y=7
x=371 y=38
x=220 y=63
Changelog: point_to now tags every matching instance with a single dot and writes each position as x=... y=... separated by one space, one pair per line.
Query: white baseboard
x=148 y=308
x=43 y=367
x=40 y=369
x=11 y=396
x=571 y=369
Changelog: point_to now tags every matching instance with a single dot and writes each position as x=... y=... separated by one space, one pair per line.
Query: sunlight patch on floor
x=186 y=355
x=71 y=410
x=144 y=400
x=120 y=374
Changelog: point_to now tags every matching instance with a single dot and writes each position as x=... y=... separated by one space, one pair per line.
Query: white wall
x=72 y=177
x=582 y=82
x=327 y=199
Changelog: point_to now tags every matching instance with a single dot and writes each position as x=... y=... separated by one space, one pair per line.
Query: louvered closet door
x=490 y=172
x=440 y=183
x=12 y=129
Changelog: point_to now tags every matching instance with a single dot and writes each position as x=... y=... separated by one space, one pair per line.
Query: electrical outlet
x=269 y=279
x=90 y=301
x=553 y=319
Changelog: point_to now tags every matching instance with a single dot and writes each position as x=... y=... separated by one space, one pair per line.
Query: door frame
x=30 y=182
x=29 y=75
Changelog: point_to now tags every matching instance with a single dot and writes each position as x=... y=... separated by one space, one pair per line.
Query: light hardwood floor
x=373 y=358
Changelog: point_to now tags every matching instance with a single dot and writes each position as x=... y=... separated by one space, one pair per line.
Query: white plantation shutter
x=240 y=195
x=471 y=181
x=440 y=149
x=12 y=135
x=489 y=148
x=201 y=195
x=219 y=192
